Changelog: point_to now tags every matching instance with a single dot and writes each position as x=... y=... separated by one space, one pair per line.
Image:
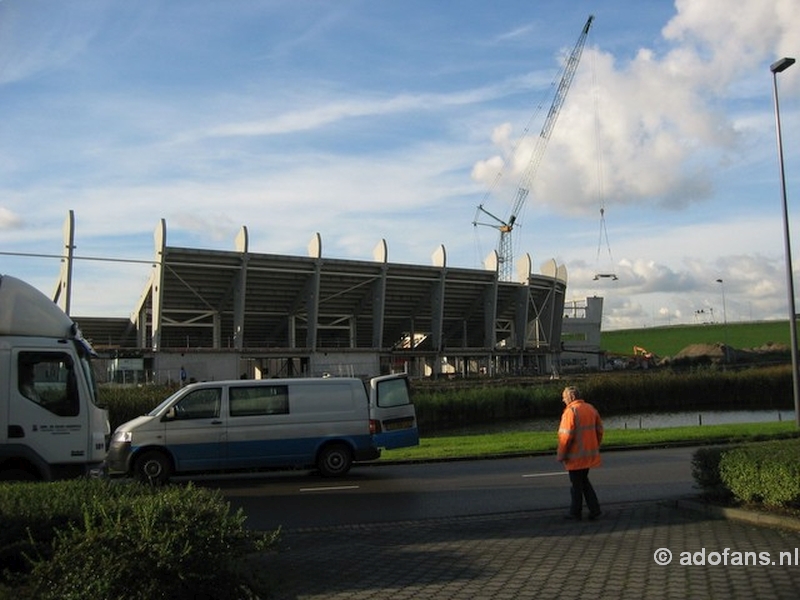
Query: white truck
x=51 y=426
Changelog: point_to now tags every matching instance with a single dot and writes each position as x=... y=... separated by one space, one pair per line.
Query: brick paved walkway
x=537 y=555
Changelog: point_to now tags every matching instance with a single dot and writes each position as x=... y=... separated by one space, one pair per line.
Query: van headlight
x=122 y=437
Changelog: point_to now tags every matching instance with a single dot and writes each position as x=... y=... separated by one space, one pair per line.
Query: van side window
x=248 y=401
x=393 y=392
x=199 y=404
x=48 y=379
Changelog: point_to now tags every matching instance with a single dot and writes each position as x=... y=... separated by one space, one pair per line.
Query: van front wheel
x=153 y=467
x=334 y=460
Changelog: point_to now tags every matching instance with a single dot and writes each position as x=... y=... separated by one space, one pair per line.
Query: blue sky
x=366 y=120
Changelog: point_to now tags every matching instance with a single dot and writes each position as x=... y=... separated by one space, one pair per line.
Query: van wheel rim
x=152 y=469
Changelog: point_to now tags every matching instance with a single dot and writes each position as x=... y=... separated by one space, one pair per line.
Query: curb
x=743 y=515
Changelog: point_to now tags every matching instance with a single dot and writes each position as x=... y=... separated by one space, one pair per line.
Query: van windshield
x=161 y=407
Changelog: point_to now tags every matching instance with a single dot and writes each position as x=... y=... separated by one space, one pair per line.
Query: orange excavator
x=643 y=357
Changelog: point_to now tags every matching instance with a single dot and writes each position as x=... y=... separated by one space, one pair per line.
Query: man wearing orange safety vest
x=579 y=436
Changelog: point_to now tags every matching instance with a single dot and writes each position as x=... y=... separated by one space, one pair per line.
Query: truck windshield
x=84 y=356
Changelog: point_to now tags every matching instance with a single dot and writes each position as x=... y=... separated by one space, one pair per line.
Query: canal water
x=690 y=418
x=643 y=421
x=637 y=421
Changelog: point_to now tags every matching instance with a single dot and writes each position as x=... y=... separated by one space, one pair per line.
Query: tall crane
x=505 y=227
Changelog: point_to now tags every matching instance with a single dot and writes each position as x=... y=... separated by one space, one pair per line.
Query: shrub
x=31 y=514
x=767 y=472
x=705 y=472
x=128 y=402
x=103 y=539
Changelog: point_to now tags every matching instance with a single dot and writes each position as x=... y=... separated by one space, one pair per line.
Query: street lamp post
x=778 y=67
x=724 y=318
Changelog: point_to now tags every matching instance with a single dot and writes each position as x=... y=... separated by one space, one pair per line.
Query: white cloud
x=729 y=40
x=9 y=220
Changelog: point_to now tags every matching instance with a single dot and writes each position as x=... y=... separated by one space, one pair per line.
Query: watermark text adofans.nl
x=728 y=557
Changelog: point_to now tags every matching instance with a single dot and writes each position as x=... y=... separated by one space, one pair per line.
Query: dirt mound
x=716 y=353
x=772 y=347
x=698 y=350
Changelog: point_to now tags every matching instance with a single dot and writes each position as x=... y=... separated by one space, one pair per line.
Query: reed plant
x=446 y=409
x=614 y=393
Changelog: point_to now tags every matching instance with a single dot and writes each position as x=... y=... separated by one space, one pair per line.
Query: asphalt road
x=412 y=492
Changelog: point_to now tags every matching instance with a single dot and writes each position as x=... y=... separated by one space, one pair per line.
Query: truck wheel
x=153 y=467
x=17 y=474
x=334 y=460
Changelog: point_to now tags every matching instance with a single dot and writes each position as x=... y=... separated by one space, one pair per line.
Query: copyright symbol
x=662 y=556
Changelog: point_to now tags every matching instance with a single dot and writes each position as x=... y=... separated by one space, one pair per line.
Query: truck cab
x=51 y=424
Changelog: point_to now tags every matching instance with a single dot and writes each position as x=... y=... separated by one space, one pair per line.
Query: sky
x=370 y=120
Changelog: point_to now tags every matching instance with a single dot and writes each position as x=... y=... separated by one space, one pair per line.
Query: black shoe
x=571 y=517
x=595 y=516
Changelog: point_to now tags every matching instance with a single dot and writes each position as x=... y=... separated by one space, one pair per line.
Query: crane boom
x=504 y=248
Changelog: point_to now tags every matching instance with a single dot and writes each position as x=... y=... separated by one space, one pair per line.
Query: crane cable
x=600 y=183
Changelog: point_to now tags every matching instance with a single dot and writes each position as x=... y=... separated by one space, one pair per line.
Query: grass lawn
x=669 y=340
x=536 y=442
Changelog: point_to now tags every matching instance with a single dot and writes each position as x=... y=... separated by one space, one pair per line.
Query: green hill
x=668 y=341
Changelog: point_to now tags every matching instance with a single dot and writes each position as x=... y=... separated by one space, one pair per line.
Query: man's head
x=569 y=394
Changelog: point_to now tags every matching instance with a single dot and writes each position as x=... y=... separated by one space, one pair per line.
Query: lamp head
x=781 y=65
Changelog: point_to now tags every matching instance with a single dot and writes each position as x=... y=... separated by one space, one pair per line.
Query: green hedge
x=128 y=402
x=761 y=472
x=767 y=472
x=103 y=539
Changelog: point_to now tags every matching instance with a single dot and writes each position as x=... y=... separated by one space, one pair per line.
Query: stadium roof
x=241 y=300
x=267 y=303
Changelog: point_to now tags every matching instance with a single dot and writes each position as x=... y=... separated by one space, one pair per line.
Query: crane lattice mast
x=505 y=227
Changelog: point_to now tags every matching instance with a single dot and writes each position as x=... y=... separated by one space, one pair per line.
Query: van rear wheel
x=153 y=467
x=334 y=460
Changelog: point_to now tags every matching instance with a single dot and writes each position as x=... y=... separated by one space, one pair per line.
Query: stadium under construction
x=211 y=314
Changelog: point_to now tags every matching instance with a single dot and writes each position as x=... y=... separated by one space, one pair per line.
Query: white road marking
x=331 y=488
x=545 y=474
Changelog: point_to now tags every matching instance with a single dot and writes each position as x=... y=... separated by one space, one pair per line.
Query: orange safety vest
x=579 y=436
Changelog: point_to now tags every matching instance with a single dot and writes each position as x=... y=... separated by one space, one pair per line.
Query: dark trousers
x=582 y=489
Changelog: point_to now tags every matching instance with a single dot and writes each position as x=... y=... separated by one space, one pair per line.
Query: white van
x=51 y=426
x=327 y=423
